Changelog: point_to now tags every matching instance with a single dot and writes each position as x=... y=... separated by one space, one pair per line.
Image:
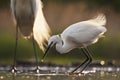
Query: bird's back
x=83 y=33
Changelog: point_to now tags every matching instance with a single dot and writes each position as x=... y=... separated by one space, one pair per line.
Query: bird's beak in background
x=49 y=46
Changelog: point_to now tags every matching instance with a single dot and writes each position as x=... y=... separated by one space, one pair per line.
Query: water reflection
x=37 y=78
x=60 y=73
x=13 y=76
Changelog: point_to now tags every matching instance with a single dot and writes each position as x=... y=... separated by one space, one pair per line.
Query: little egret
x=81 y=35
x=29 y=19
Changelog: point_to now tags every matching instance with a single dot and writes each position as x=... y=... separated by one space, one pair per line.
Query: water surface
x=61 y=73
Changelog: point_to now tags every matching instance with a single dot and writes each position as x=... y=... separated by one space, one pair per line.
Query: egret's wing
x=84 y=32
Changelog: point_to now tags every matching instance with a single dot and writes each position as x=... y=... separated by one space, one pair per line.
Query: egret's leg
x=36 y=56
x=86 y=51
x=13 y=70
x=87 y=59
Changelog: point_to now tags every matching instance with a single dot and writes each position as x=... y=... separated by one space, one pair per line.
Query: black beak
x=49 y=46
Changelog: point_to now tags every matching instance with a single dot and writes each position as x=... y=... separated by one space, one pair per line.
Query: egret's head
x=51 y=42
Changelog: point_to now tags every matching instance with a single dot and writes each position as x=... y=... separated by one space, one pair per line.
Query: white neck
x=61 y=47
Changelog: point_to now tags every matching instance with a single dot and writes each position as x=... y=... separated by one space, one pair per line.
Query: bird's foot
x=37 y=70
x=13 y=70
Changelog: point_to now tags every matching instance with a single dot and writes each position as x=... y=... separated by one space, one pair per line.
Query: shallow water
x=61 y=73
x=89 y=76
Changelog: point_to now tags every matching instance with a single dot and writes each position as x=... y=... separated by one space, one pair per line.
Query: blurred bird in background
x=29 y=19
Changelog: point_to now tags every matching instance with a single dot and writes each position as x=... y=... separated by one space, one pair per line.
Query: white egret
x=29 y=19
x=79 y=35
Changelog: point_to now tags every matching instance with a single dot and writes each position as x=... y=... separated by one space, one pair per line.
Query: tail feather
x=100 y=19
x=41 y=29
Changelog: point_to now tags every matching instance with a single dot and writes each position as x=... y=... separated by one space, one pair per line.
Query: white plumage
x=41 y=29
x=79 y=35
x=28 y=17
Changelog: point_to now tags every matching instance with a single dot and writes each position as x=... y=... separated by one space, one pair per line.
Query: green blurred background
x=59 y=15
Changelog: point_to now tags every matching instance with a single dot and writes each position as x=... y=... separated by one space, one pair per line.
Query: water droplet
x=1 y=77
x=42 y=60
x=102 y=62
x=48 y=77
x=109 y=69
x=27 y=77
x=118 y=69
